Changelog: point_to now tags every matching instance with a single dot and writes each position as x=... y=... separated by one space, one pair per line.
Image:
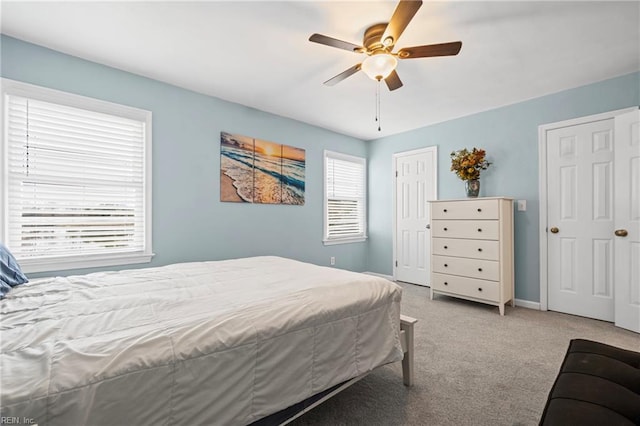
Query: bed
x=223 y=342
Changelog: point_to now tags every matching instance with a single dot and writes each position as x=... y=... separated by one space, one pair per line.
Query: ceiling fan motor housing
x=372 y=38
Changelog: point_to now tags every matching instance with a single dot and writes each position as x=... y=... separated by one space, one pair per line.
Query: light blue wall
x=510 y=137
x=189 y=221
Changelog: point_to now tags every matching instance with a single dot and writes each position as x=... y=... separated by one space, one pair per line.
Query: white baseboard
x=389 y=277
x=528 y=304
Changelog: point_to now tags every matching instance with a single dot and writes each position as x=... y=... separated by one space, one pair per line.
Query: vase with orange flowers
x=467 y=166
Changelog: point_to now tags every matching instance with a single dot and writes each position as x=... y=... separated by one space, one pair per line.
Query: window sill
x=82 y=262
x=344 y=241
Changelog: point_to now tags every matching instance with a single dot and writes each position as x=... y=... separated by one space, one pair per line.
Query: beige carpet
x=473 y=367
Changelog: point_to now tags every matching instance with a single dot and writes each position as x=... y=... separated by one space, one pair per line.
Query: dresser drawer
x=475 y=268
x=475 y=229
x=472 y=209
x=487 y=290
x=477 y=249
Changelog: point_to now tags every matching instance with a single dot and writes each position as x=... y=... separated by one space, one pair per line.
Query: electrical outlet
x=333 y=261
x=522 y=205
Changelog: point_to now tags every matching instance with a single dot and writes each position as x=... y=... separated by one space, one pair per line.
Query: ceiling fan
x=378 y=43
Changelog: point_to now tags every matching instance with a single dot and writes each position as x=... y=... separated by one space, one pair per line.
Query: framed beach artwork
x=258 y=171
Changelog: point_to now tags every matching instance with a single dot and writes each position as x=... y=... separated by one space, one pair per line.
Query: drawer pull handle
x=446 y=283
x=445 y=265
x=479 y=249
x=445 y=229
x=479 y=210
x=479 y=269
x=445 y=210
x=479 y=288
x=479 y=229
x=445 y=247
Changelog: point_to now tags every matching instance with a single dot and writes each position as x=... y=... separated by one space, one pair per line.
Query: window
x=76 y=185
x=345 y=180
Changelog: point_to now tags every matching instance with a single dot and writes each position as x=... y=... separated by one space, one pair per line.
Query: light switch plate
x=522 y=205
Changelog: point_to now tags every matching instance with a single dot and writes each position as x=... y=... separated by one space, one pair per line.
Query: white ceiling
x=258 y=54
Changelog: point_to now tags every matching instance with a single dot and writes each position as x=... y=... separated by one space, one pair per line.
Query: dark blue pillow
x=10 y=272
x=4 y=289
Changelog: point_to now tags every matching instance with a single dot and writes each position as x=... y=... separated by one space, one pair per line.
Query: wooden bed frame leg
x=406 y=338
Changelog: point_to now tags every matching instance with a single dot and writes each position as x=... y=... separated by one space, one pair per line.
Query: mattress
x=224 y=342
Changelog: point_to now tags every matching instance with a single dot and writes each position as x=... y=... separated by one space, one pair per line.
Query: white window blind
x=345 y=198
x=76 y=186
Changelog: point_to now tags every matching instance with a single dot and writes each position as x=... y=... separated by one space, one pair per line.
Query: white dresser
x=472 y=249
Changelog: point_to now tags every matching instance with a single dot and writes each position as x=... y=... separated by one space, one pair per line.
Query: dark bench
x=597 y=384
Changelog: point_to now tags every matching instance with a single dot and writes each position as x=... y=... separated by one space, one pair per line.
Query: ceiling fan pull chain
x=378 y=113
x=376 y=104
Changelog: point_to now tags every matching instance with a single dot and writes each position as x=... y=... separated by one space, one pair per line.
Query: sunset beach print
x=257 y=171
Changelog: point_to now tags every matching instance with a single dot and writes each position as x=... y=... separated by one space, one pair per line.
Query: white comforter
x=224 y=342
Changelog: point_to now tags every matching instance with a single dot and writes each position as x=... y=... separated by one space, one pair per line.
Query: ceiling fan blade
x=442 y=49
x=344 y=74
x=334 y=42
x=403 y=14
x=393 y=81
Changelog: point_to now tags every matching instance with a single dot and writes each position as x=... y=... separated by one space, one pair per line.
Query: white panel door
x=415 y=185
x=627 y=221
x=580 y=219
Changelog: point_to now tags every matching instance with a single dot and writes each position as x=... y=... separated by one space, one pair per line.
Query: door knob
x=621 y=233
x=554 y=230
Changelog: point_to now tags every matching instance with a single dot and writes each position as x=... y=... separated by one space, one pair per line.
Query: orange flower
x=467 y=164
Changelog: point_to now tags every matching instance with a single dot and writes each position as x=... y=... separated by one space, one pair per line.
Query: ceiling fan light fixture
x=378 y=66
